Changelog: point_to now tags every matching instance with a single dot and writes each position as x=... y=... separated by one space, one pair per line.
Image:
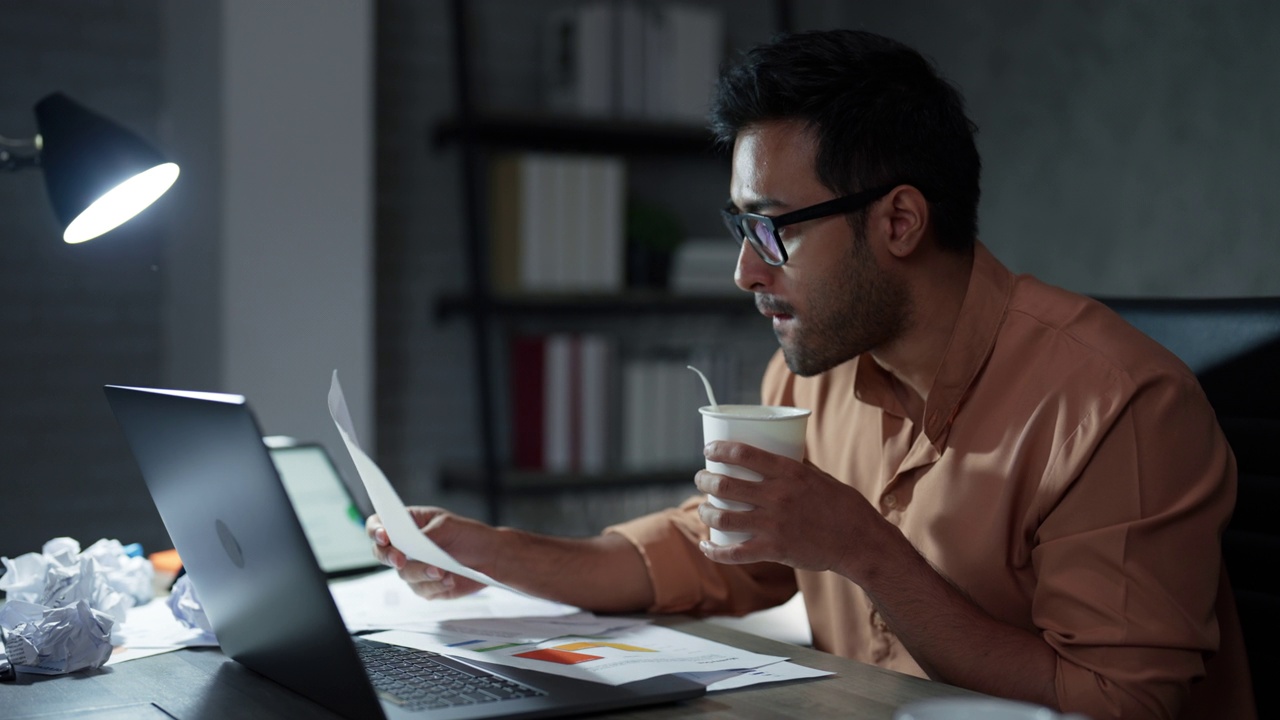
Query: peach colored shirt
x=1069 y=476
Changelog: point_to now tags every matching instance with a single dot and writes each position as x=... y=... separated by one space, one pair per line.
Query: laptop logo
x=229 y=543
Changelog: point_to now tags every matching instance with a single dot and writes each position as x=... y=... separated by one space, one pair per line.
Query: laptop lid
x=226 y=510
x=331 y=519
x=216 y=488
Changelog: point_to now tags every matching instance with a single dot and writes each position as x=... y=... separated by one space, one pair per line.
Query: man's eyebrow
x=757 y=206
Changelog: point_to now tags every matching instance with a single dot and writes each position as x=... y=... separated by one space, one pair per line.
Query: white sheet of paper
x=382 y=601
x=777 y=672
x=402 y=530
x=125 y=654
x=532 y=629
x=638 y=653
x=154 y=626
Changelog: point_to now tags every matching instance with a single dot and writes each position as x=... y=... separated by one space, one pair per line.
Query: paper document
x=534 y=628
x=614 y=658
x=154 y=626
x=382 y=601
x=401 y=528
x=733 y=679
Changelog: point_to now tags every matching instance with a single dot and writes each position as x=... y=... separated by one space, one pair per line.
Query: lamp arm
x=28 y=154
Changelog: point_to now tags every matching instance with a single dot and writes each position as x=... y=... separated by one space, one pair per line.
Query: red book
x=527 y=371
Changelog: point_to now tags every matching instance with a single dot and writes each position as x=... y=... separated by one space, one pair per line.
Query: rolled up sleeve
x=685 y=581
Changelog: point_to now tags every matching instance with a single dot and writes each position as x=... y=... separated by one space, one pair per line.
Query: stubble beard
x=849 y=313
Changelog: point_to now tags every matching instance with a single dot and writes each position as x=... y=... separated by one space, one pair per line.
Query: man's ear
x=906 y=213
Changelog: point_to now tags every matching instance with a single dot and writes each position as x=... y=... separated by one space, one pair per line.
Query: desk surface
x=203 y=683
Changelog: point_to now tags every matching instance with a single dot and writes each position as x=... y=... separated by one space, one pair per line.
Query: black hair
x=881 y=114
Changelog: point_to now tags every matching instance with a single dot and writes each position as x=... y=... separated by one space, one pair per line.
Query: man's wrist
x=867 y=553
x=504 y=554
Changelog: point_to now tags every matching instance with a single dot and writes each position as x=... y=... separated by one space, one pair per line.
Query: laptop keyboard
x=418 y=680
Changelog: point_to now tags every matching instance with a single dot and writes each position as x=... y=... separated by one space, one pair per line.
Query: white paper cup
x=779 y=430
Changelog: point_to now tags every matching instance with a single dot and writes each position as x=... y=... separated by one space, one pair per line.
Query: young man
x=1005 y=488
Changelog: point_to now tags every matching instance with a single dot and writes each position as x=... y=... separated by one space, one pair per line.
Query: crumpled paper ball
x=186 y=606
x=104 y=576
x=52 y=641
x=129 y=574
x=63 y=603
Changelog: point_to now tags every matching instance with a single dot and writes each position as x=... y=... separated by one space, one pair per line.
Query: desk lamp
x=97 y=173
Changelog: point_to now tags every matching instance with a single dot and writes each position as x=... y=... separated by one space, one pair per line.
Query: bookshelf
x=496 y=314
x=578 y=305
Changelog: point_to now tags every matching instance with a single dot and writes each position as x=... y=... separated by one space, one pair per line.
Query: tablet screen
x=330 y=518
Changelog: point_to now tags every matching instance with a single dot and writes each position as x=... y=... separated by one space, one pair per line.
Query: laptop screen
x=330 y=518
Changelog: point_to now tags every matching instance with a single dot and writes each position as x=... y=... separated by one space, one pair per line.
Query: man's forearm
x=603 y=574
x=953 y=639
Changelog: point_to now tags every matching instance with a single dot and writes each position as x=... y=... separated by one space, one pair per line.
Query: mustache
x=769 y=305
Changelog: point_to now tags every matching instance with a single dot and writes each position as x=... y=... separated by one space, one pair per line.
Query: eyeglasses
x=762 y=230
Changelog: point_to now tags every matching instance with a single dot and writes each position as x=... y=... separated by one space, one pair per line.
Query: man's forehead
x=771 y=161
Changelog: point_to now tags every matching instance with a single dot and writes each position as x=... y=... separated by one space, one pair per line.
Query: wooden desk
x=203 y=683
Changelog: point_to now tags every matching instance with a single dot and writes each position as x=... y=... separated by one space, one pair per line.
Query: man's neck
x=938 y=286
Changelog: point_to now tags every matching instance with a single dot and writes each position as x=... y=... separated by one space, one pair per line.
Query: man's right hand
x=603 y=574
x=469 y=542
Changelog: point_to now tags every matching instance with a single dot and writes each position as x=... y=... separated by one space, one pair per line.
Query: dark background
x=1129 y=149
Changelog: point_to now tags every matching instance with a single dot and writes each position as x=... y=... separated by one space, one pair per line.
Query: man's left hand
x=802 y=517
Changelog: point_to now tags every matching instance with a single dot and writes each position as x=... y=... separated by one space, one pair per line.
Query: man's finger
x=735 y=554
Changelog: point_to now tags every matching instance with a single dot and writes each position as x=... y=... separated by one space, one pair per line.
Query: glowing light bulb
x=121 y=203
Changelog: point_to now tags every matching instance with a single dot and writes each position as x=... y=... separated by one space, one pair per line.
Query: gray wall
x=74 y=317
x=255 y=276
x=1130 y=148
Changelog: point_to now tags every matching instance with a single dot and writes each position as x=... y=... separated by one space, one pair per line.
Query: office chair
x=1233 y=347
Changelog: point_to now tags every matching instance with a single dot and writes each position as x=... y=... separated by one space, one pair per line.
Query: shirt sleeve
x=685 y=581
x=1127 y=556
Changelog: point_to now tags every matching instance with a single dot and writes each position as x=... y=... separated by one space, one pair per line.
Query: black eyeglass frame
x=736 y=222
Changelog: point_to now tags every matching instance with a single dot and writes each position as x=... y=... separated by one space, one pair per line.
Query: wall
x=255 y=276
x=1129 y=148
x=269 y=286
x=73 y=318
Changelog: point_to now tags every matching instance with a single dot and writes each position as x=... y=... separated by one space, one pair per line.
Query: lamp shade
x=98 y=174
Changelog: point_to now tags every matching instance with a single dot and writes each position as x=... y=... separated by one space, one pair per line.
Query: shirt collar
x=986 y=302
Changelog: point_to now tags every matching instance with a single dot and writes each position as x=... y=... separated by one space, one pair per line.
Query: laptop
x=221 y=499
x=330 y=516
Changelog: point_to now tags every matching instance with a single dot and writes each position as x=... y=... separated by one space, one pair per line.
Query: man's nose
x=752 y=272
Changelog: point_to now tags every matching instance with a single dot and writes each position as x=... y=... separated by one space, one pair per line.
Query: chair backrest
x=1233 y=347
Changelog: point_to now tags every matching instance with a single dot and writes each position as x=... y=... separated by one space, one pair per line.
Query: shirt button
x=890 y=501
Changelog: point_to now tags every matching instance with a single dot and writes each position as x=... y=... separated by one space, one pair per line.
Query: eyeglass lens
x=766 y=239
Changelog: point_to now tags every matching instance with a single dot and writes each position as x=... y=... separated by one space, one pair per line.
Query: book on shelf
x=527 y=370
x=661 y=426
x=577 y=408
x=596 y=401
x=561 y=402
x=633 y=59
x=687 y=45
x=557 y=223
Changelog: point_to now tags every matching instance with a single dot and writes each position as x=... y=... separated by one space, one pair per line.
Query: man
x=1005 y=488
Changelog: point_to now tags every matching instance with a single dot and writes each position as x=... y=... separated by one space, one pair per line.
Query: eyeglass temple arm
x=852 y=202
